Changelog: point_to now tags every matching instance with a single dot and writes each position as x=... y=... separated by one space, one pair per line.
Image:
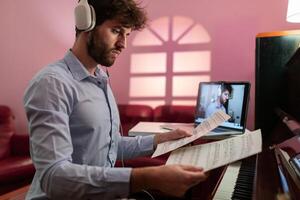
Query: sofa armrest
x=20 y=145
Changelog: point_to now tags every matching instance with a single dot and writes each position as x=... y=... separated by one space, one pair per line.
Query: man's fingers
x=192 y=168
x=183 y=133
x=196 y=173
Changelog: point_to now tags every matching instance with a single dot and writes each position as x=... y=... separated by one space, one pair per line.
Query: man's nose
x=122 y=42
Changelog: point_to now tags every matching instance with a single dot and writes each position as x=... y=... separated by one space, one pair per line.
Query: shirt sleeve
x=210 y=110
x=130 y=147
x=48 y=104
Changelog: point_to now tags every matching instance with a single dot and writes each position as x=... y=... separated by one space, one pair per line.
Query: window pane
x=161 y=27
x=187 y=85
x=146 y=38
x=180 y=25
x=147 y=86
x=195 y=36
x=148 y=63
x=192 y=61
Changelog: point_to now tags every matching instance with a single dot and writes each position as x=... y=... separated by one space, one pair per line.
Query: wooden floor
x=18 y=194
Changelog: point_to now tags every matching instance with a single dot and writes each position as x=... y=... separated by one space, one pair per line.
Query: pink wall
x=36 y=32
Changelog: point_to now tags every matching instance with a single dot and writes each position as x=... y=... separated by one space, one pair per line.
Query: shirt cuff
x=148 y=143
x=119 y=178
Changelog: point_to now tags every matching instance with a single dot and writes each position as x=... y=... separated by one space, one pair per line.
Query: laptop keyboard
x=219 y=130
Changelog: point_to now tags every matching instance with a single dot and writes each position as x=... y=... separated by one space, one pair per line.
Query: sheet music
x=206 y=126
x=216 y=154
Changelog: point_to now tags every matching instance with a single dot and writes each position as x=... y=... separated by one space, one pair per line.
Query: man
x=220 y=101
x=74 y=121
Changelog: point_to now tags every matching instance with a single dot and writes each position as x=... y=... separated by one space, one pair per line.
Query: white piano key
x=226 y=187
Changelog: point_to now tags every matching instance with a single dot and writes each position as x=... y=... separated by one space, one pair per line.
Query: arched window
x=172 y=56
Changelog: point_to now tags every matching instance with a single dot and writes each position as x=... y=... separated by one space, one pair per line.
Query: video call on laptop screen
x=230 y=97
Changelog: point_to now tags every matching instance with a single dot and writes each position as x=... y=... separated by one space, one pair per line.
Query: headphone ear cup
x=85 y=17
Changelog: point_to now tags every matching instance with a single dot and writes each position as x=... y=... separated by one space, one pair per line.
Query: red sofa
x=16 y=168
x=130 y=115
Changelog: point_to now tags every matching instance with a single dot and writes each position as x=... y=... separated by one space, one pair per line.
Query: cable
x=148 y=193
x=122 y=152
x=106 y=71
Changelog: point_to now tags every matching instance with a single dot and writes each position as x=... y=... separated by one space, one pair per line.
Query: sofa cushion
x=130 y=115
x=174 y=113
x=16 y=168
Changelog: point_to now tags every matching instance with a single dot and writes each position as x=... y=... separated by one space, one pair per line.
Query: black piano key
x=245 y=193
x=244 y=185
x=240 y=193
x=240 y=196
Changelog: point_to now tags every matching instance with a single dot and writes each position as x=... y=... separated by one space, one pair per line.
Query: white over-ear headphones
x=85 y=16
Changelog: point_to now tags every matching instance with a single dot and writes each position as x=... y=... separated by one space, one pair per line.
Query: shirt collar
x=77 y=69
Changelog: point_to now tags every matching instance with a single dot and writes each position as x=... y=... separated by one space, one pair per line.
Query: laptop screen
x=230 y=97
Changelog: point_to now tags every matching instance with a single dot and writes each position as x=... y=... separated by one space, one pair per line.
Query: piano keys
x=237 y=181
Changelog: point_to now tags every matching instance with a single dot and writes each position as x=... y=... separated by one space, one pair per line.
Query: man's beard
x=99 y=51
x=222 y=100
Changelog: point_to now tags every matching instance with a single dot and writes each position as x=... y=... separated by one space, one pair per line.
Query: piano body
x=277 y=86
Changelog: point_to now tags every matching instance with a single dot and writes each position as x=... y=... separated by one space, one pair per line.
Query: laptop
x=234 y=102
x=230 y=97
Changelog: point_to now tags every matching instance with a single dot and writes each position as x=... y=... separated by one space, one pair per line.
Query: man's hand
x=172 y=135
x=172 y=180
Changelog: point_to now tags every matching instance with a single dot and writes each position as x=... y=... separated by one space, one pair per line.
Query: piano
x=235 y=181
x=256 y=177
x=259 y=177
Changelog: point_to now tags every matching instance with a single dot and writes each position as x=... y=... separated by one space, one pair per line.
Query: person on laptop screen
x=229 y=97
x=218 y=103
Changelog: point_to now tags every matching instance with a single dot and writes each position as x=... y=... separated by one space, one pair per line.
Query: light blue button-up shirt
x=74 y=135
